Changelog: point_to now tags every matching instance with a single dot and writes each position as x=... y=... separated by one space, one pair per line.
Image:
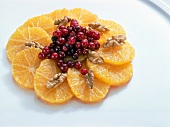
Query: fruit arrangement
x=69 y=53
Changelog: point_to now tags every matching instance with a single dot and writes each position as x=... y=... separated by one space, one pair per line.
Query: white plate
x=143 y=102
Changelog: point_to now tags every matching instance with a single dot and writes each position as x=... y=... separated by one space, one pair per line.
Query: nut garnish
x=62 y=22
x=98 y=26
x=33 y=45
x=90 y=79
x=95 y=57
x=56 y=80
x=115 y=41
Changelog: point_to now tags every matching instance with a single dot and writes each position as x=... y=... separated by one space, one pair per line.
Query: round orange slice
x=115 y=29
x=78 y=85
x=83 y=16
x=117 y=55
x=24 y=66
x=44 y=22
x=60 y=94
x=18 y=39
x=111 y=74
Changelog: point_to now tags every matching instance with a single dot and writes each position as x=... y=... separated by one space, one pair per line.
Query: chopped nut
x=90 y=79
x=95 y=57
x=115 y=41
x=98 y=26
x=33 y=45
x=62 y=22
x=56 y=80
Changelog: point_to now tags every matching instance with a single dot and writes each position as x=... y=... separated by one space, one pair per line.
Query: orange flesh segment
x=78 y=85
x=44 y=73
x=18 y=39
x=111 y=74
x=117 y=55
x=24 y=66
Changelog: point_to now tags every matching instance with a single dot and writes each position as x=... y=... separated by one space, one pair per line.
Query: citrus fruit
x=115 y=29
x=24 y=66
x=83 y=16
x=44 y=73
x=117 y=55
x=78 y=85
x=18 y=39
x=111 y=74
x=58 y=14
x=40 y=21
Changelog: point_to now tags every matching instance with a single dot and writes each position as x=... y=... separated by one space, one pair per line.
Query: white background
x=145 y=101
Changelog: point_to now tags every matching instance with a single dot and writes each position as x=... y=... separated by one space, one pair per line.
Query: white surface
x=144 y=102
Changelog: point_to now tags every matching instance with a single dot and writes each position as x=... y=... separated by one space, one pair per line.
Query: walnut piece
x=90 y=79
x=62 y=22
x=33 y=45
x=56 y=80
x=98 y=26
x=95 y=57
x=115 y=41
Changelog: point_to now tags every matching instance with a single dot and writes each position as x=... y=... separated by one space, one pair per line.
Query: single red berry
x=61 y=41
x=57 y=48
x=77 y=28
x=78 y=65
x=96 y=35
x=41 y=55
x=52 y=45
x=46 y=50
x=62 y=27
x=91 y=45
x=69 y=28
x=74 y=23
x=79 y=51
x=60 y=62
x=62 y=54
x=57 y=33
x=84 y=71
x=77 y=45
x=85 y=51
x=54 y=56
x=64 y=32
x=80 y=35
x=83 y=29
x=97 y=45
x=64 y=48
x=90 y=33
x=72 y=34
x=64 y=68
x=75 y=56
x=72 y=40
x=84 y=43
x=70 y=63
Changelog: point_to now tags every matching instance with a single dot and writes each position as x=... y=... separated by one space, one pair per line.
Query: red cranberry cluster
x=72 y=41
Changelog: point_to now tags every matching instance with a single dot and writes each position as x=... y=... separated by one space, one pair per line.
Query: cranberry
x=85 y=51
x=79 y=51
x=54 y=56
x=69 y=28
x=75 y=56
x=64 y=32
x=48 y=56
x=78 y=65
x=90 y=39
x=72 y=34
x=62 y=27
x=80 y=35
x=64 y=68
x=64 y=48
x=97 y=45
x=41 y=55
x=90 y=33
x=62 y=54
x=83 y=29
x=77 y=29
x=84 y=71
x=74 y=23
x=91 y=46
x=61 y=41
x=84 y=43
x=70 y=63
x=77 y=45
x=52 y=45
x=96 y=35
x=57 y=33
x=46 y=50
x=72 y=40
x=60 y=62
x=57 y=49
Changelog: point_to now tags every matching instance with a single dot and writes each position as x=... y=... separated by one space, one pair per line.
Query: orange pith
x=18 y=39
x=24 y=66
x=80 y=89
x=44 y=73
x=111 y=74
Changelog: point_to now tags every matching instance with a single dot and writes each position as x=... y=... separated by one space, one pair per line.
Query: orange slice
x=83 y=16
x=24 y=66
x=58 y=14
x=117 y=55
x=110 y=74
x=78 y=85
x=44 y=73
x=115 y=29
x=18 y=39
x=40 y=21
